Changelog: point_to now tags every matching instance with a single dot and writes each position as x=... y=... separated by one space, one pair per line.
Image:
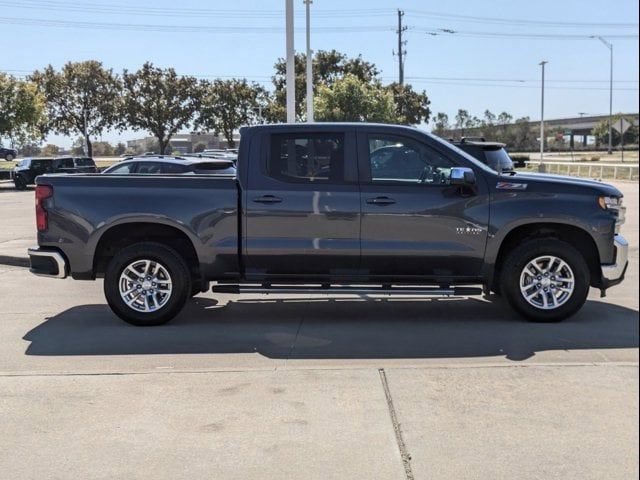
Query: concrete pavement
x=281 y=387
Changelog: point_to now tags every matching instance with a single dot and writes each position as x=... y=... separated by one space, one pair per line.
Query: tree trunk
x=162 y=144
x=228 y=135
x=89 y=146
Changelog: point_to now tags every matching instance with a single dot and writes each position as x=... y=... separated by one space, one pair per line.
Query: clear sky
x=485 y=64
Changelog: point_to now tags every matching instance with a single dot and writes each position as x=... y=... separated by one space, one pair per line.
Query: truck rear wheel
x=147 y=284
x=20 y=183
x=545 y=280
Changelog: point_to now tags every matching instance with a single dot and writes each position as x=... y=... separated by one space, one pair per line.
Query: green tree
x=412 y=108
x=50 y=150
x=199 y=147
x=83 y=98
x=351 y=99
x=21 y=110
x=328 y=67
x=227 y=105
x=160 y=101
x=441 y=124
x=120 y=149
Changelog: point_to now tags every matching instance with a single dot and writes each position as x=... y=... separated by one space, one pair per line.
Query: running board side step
x=348 y=290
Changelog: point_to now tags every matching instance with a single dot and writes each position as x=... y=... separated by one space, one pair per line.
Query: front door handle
x=267 y=199
x=381 y=201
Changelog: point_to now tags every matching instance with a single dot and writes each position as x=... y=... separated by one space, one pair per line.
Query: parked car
x=8 y=153
x=172 y=165
x=313 y=210
x=492 y=154
x=28 y=169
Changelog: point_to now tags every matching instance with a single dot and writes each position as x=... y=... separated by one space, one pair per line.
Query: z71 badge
x=511 y=186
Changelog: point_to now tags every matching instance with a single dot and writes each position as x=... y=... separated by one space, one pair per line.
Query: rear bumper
x=613 y=274
x=47 y=263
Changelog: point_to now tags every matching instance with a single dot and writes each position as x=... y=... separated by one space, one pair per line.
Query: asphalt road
x=273 y=387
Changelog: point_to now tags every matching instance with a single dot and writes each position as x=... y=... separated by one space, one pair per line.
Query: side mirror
x=462 y=176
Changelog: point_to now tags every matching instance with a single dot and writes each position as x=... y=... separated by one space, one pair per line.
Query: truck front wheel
x=545 y=280
x=147 y=283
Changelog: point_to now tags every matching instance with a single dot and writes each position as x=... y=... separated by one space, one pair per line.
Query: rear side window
x=122 y=169
x=41 y=164
x=499 y=160
x=85 y=162
x=158 y=168
x=317 y=158
x=65 y=163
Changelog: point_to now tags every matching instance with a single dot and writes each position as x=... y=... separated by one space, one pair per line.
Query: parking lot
x=279 y=387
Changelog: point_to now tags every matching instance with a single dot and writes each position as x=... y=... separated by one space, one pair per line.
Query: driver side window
x=396 y=159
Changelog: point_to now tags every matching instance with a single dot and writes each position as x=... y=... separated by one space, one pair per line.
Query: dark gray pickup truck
x=334 y=208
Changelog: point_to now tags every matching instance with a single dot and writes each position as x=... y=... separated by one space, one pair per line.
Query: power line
x=128 y=9
x=515 y=21
x=180 y=28
x=445 y=32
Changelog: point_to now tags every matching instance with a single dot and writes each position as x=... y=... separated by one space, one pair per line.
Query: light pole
x=309 y=64
x=542 y=64
x=610 y=47
x=290 y=74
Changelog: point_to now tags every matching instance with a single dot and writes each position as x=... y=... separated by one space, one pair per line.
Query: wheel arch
x=123 y=234
x=578 y=237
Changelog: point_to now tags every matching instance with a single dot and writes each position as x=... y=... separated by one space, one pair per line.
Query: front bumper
x=613 y=274
x=47 y=263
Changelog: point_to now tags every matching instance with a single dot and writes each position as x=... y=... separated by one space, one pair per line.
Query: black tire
x=8 y=157
x=20 y=183
x=516 y=261
x=170 y=260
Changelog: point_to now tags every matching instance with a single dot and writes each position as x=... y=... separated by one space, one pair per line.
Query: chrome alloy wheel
x=145 y=286
x=547 y=282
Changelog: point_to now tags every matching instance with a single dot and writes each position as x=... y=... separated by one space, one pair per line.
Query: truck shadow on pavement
x=337 y=328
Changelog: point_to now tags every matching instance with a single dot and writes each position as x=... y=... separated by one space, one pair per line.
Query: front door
x=302 y=207
x=414 y=223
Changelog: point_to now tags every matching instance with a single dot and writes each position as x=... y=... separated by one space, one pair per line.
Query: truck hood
x=563 y=180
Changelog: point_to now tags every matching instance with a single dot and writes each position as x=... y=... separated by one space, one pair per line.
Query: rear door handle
x=267 y=199
x=381 y=201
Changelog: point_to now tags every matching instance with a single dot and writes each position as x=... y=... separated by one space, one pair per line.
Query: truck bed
x=202 y=207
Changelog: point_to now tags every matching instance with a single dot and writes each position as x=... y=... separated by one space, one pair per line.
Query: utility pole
x=542 y=168
x=290 y=74
x=309 y=64
x=401 y=51
x=610 y=47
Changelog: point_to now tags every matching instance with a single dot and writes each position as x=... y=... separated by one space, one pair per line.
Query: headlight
x=610 y=203
x=614 y=204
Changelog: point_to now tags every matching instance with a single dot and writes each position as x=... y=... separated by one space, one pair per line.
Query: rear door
x=302 y=205
x=414 y=223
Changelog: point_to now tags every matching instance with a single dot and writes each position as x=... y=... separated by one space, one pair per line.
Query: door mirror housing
x=462 y=176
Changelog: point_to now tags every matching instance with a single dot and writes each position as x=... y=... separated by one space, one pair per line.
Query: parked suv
x=8 y=153
x=161 y=165
x=28 y=169
x=492 y=154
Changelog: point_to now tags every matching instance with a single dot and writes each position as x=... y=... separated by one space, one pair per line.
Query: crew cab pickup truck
x=334 y=208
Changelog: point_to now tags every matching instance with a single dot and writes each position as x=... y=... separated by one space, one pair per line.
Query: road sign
x=622 y=126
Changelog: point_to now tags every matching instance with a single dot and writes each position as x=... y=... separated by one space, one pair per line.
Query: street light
x=610 y=47
x=542 y=64
x=290 y=74
x=309 y=64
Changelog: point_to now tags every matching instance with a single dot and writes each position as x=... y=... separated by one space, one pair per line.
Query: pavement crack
x=404 y=453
